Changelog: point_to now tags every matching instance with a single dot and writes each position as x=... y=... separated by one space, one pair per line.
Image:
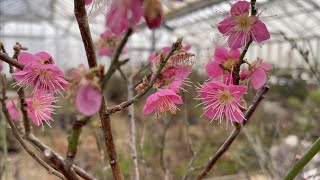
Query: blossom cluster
x=222 y=96
x=47 y=79
x=170 y=80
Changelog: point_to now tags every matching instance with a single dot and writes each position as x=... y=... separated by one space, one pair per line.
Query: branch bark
x=4 y=57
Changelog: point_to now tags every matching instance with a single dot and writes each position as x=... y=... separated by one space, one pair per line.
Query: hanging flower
x=40 y=73
x=222 y=101
x=258 y=73
x=86 y=89
x=241 y=26
x=162 y=101
x=123 y=14
x=153 y=13
x=223 y=63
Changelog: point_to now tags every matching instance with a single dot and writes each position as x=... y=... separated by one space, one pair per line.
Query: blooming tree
x=222 y=96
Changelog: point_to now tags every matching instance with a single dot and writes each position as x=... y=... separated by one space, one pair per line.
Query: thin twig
x=114 y=63
x=19 y=138
x=153 y=80
x=234 y=134
x=102 y=155
x=4 y=57
x=132 y=124
x=162 y=148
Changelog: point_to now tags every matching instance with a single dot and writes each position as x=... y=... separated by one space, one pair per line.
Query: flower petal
x=213 y=69
x=260 y=32
x=226 y=26
x=221 y=54
x=259 y=78
x=240 y=8
x=26 y=58
x=88 y=100
x=238 y=39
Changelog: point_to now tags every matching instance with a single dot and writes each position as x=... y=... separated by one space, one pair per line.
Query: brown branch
x=153 y=80
x=19 y=138
x=111 y=149
x=102 y=155
x=234 y=134
x=82 y=19
x=23 y=107
x=162 y=148
x=4 y=57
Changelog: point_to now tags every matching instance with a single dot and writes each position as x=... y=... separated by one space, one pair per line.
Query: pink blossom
x=108 y=43
x=222 y=57
x=162 y=101
x=39 y=72
x=40 y=108
x=12 y=106
x=257 y=72
x=123 y=14
x=153 y=13
x=241 y=26
x=88 y=100
x=222 y=100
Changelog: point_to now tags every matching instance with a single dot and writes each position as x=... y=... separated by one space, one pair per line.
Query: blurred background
x=283 y=127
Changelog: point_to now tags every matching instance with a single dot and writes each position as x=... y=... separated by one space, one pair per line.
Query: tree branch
x=4 y=57
x=17 y=135
x=234 y=134
x=153 y=80
x=301 y=163
x=23 y=107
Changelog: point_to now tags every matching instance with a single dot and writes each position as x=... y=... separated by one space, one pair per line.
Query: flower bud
x=153 y=13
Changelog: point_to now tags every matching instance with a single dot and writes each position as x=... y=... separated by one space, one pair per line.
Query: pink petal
x=244 y=74
x=259 y=78
x=150 y=105
x=235 y=54
x=117 y=19
x=26 y=58
x=104 y=51
x=166 y=49
x=226 y=26
x=175 y=85
x=237 y=91
x=234 y=114
x=87 y=2
x=187 y=47
x=238 y=39
x=88 y=100
x=137 y=11
x=154 y=23
x=240 y=8
x=265 y=66
x=211 y=113
x=221 y=54
x=44 y=55
x=260 y=31
x=213 y=69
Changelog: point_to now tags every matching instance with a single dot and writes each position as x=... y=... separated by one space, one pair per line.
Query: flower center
x=225 y=97
x=229 y=64
x=45 y=73
x=244 y=22
x=36 y=104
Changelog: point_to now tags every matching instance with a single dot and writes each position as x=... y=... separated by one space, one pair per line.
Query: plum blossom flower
x=86 y=89
x=176 y=70
x=88 y=100
x=241 y=26
x=222 y=101
x=258 y=73
x=40 y=108
x=123 y=14
x=39 y=72
x=162 y=101
x=223 y=63
x=153 y=13
x=108 y=43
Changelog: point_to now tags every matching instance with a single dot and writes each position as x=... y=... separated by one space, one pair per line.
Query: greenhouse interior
x=160 y=89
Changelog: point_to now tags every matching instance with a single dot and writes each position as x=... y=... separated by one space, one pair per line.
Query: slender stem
x=153 y=80
x=82 y=19
x=4 y=165
x=225 y=146
x=111 y=149
x=19 y=138
x=4 y=57
x=73 y=140
x=301 y=163
x=132 y=124
x=115 y=60
x=23 y=107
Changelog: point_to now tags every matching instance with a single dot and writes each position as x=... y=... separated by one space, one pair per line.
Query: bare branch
x=4 y=57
